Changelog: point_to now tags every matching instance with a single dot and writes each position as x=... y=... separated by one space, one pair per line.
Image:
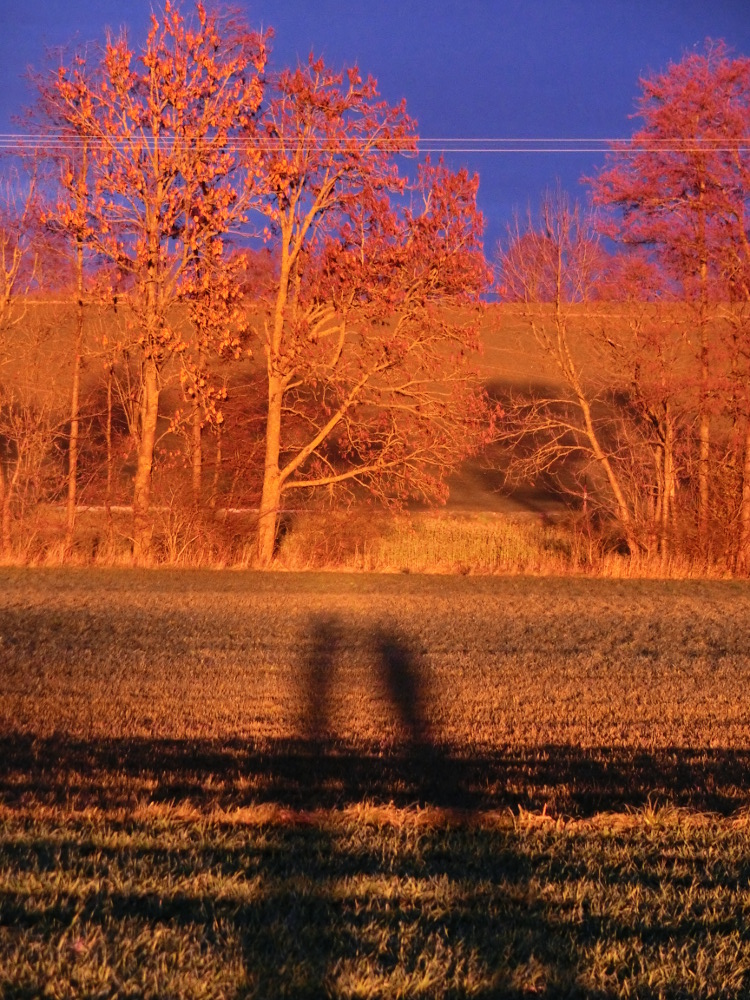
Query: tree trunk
x=704 y=496
x=6 y=521
x=603 y=459
x=667 y=501
x=271 y=495
x=565 y=363
x=75 y=395
x=217 y=466
x=108 y=495
x=272 y=483
x=196 y=455
x=149 y=414
x=70 y=521
x=742 y=559
x=10 y=490
x=564 y=359
x=4 y=514
x=656 y=505
x=142 y=527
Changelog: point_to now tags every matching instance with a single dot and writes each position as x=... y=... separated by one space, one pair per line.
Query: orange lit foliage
x=616 y=431
x=368 y=326
x=26 y=414
x=572 y=437
x=163 y=189
x=681 y=190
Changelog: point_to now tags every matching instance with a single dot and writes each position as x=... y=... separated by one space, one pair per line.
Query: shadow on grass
x=318 y=770
x=342 y=908
x=306 y=775
x=312 y=912
x=331 y=906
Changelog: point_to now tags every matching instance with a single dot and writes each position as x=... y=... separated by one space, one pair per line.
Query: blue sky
x=478 y=68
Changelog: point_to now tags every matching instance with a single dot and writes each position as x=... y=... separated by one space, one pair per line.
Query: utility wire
x=20 y=142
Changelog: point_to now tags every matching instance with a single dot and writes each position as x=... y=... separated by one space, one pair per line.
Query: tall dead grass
x=471 y=544
x=354 y=540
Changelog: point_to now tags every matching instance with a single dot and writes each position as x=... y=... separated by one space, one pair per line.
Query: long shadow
x=315 y=911
x=320 y=770
x=401 y=678
x=307 y=922
x=317 y=674
x=317 y=908
x=313 y=774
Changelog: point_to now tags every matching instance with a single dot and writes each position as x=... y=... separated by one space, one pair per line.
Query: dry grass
x=496 y=661
x=361 y=539
x=553 y=543
x=432 y=543
x=346 y=908
x=492 y=787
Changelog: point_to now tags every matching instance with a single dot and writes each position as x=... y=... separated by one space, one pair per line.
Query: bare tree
x=680 y=186
x=551 y=266
x=20 y=424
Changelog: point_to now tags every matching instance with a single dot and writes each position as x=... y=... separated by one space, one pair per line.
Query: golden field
x=229 y=784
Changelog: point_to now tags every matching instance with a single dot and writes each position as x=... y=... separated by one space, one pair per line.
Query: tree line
x=252 y=293
x=642 y=306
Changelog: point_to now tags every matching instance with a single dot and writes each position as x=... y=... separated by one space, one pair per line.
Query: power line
x=34 y=142
x=423 y=138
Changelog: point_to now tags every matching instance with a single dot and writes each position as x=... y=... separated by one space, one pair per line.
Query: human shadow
x=400 y=676
x=395 y=670
x=406 y=763
x=317 y=669
x=314 y=941
x=225 y=774
x=325 y=907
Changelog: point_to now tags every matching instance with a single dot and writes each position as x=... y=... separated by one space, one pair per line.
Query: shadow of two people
x=415 y=763
x=396 y=668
